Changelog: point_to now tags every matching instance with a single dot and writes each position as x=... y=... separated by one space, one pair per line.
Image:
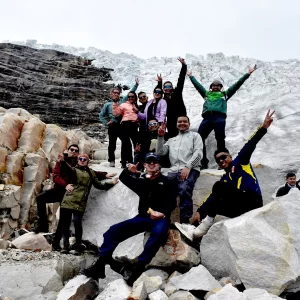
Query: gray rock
x=115 y=290
x=170 y=287
x=4 y=244
x=197 y=278
x=259 y=294
x=152 y=284
x=139 y=292
x=228 y=292
x=158 y=295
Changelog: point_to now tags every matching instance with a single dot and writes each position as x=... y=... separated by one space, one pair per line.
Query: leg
x=66 y=218
x=112 y=140
x=126 y=151
x=185 y=189
x=77 y=221
x=219 y=127
x=204 y=130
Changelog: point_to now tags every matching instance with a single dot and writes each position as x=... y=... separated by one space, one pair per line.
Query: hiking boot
x=112 y=164
x=56 y=247
x=65 y=250
x=203 y=167
x=186 y=229
x=130 y=275
x=40 y=228
x=117 y=266
x=78 y=249
x=96 y=270
x=202 y=229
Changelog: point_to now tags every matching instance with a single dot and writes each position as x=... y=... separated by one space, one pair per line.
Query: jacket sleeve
x=142 y=115
x=163 y=111
x=181 y=78
x=232 y=90
x=161 y=147
x=56 y=175
x=198 y=86
x=125 y=98
x=245 y=154
x=159 y=85
x=100 y=185
x=196 y=157
x=117 y=110
x=100 y=175
x=280 y=192
x=103 y=115
x=130 y=181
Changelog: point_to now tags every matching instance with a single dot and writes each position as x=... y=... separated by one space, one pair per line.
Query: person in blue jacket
x=238 y=190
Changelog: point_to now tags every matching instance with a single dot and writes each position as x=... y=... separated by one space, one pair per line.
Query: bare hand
x=159 y=78
x=69 y=188
x=110 y=175
x=162 y=129
x=133 y=168
x=268 y=119
x=61 y=156
x=137 y=148
x=115 y=180
x=181 y=60
x=137 y=81
x=251 y=70
x=156 y=215
x=184 y=173
x=196 y=217
x=189 y=73
x=109 y=122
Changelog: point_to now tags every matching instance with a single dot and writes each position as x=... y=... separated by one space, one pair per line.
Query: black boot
x=40 y=227
x=96 y=270
x=66 y=248
x=116 y=266
x=130 y=275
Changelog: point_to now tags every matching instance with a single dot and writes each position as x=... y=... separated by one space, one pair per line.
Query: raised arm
x=181 y=78
x=131 y=182
x=133 y=89
x=162 y=148
x=198 y=86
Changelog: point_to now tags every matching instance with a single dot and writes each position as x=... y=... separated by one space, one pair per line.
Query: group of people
x=237 y=192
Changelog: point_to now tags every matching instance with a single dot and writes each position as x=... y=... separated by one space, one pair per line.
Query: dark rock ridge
x=53 y=84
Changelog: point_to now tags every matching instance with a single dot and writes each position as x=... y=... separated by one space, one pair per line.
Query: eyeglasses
x=130 y=97
x=168 y=86
x=74 y=150
x=222 y=157
x=153 y=124
x=83 y=159
x=141 y=97
x=216 y=85
x=158 y=92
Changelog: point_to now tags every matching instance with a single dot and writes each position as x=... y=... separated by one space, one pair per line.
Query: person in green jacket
x=215 y=110
x=113 y=123
x=75 y=198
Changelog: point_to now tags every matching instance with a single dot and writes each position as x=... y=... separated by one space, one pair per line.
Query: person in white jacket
x=184 y=151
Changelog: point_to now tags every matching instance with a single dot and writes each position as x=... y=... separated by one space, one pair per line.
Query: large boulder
x=261 y=247
x=32 y=241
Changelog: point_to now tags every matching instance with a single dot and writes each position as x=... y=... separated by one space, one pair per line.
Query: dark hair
x=135 y=98
x=73 y=145
x=114 y=88
x=290 y=174
x=221 y=150
x=184 y=117
x=168 y=82
x=141 y=92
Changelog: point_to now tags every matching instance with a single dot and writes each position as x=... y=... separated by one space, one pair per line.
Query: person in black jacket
x=290 y=184
x=157 y=200
x=176 y=107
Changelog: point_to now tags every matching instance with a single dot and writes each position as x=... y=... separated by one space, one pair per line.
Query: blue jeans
x=185 y=189
x=126 y=229
x=216 y=122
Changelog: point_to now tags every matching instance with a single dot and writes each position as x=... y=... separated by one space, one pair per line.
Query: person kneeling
x=157 y=200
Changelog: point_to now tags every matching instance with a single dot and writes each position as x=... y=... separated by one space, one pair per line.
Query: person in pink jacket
x=129 y=125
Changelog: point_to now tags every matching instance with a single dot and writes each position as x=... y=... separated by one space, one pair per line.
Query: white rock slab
x=32 y=241
x=158 y=295
x=182 y=295
x=228 y=292
x=139 y=292
x=197 y=278
x=152 y=284
x=260 y=294
x=115 y=290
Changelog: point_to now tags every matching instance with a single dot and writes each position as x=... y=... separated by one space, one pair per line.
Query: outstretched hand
x=162 y=129
x=189 y=73
x=181 y=60
x=268 y=119
x=133 y=168
x=251 y=70
x=159 y=78
x=137 y=81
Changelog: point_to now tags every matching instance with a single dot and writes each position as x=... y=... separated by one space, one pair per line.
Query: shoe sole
x=182 y=232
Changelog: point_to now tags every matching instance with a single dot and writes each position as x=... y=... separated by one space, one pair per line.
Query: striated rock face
x=55 y=85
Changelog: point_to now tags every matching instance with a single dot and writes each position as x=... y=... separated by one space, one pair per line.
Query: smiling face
x=115 y=94
x=224 y=160
x=152 y=166
x=73 y=151
x=143 y=98
x=157 y=94
x=82 y=161
x=168 y=87
x=216 y=87
x=183 y=124
x=291 y=180
x=131 y=97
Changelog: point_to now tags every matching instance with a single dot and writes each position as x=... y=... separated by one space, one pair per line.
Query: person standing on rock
x=113 y=123
x=238 y=190
x=214 y=111
x=184 y=152
x=174 y=99
x=291 y=183
x=75 y=199
x=157 y=200
x=129 y=124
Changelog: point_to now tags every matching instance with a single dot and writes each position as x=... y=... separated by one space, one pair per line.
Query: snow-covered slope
x=274 y=85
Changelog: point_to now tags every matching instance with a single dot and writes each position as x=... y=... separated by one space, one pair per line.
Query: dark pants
x=185 y=189
x=230 y=202
x=124 y=230
x=128 y=131
x=66 y=218
x=217 y=123
x=113 y=135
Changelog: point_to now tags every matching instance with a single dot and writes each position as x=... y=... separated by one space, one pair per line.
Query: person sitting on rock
x=128 y=125
x=215 y=110
x=291 y=183
x=238 y=190
x=75 y=199
x=184 y=155
x=157 y=200
x=113 y=123
x=174 y=99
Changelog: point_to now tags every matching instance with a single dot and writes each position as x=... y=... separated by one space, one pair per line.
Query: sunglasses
x=74 y=150
x=152 y=124
x=158 y=92
x=82 y=159
x=222 y=157
x=130 y=97
x=168 y=87
x=142 y=97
